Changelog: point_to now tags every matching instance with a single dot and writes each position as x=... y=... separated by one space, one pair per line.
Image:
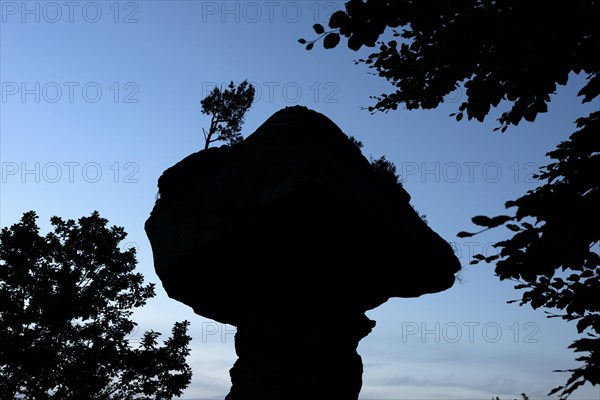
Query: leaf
x=310 y=46
x=319 y=29
x=583 y=324
x=481 y=220
x=488 y=222
x=499 y=220
x=530 y=114
x=302 y=41
x=354 y=43
x=593 y=259
x=513 y=227
x=464 y=234
x=459 y=116
x=558 y=284
x=331 y=40
x=555 y=390
x=339 y=19
x=492 y=258
x=588 y=273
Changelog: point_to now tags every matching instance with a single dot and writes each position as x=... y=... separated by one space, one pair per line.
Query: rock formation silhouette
x=290 y=236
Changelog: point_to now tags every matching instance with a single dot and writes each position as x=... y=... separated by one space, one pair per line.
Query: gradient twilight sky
x=98 y=98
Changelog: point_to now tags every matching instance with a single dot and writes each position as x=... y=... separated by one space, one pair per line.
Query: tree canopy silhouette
x=507 y=51
x=66 y=299
x=227 y=109
x=510 y=54
x=552 y=254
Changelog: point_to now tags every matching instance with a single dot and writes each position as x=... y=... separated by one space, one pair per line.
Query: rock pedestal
x=298 y=355
x=291 y=236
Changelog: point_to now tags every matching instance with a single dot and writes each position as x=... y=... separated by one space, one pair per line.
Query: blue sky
x=98 y=98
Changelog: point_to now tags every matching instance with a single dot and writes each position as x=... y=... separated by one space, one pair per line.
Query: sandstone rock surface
x=291 y=236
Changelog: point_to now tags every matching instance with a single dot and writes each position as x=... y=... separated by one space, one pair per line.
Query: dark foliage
x=509 y=50
x=66 y=299
x=553 y=254
x=227 y=109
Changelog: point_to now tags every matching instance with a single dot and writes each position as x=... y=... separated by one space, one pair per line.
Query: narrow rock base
x=299 y=355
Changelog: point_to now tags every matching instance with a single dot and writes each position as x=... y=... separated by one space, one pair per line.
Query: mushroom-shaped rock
x=291 y=236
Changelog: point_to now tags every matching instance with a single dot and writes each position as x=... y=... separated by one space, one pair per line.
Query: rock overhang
x=295 y=203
